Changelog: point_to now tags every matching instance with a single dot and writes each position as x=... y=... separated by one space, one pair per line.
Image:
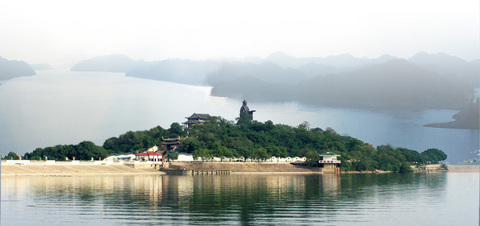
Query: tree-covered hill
x=255 y=140
x=259 y=140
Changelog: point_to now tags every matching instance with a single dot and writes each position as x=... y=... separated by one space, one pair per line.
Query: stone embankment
x=244 y=167
x=463 y=168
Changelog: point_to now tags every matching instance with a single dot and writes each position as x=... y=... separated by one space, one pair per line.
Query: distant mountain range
x=108 y=63
x=337 y=61
x=424 y=81
x=13 y=68
x=395 y=84
x=180 y=71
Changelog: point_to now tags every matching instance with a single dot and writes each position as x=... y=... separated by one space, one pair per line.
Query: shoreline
x=235 y=168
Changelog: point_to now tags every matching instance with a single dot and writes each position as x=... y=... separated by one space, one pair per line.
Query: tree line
x=130 y=142
x=256 y=140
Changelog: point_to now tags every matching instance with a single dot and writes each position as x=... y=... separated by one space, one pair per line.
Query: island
x=468 y=118
x=245 y=145
x=13 y=68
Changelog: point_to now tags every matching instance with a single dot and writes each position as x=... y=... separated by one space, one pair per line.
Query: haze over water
x=63 y=107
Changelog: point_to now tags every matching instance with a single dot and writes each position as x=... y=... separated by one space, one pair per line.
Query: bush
x=405 y=168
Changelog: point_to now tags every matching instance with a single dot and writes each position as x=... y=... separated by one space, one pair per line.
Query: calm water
x=390 y=199
x=62 y=107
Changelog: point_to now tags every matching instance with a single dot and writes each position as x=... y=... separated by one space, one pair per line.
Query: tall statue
x=245 y=113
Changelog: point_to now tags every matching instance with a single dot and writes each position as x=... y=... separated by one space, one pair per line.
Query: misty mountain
x=41 y=67
x=266 y=72
x=343 y=61
x=108 y=63
x=180 y=71
x=450 y=66
x=424 y=81
x=13 y=68
x=311 y=70
x=250 y=88
x=396 y=84
x=314 y=66
x=437 y=61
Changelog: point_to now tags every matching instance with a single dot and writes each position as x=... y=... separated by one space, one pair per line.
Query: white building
x=120 y=157
x=329 y=158
x=329 y=161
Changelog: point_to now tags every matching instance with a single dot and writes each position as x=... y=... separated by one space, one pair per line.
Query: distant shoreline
x=463 y=168
x=453 y=125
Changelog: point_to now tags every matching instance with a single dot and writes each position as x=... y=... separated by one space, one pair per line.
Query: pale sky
x=65 y=32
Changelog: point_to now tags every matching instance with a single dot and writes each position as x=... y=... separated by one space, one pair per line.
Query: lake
x=362 y=199
x=63 y=107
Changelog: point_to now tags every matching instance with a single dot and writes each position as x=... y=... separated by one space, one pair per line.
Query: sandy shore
x=69 y=170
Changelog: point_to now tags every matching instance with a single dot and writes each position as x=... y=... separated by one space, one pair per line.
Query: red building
x=149 y=156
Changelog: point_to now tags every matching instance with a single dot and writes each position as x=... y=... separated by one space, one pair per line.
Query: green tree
x=433 y=155
x=304 y=125
x=172 y=156
x=11 y=156
x=405 y=168
x=203 y=153
x=312 y=158
x=176 y=129
x=87 y=149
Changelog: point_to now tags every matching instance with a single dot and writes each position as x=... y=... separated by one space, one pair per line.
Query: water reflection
x=245 y=199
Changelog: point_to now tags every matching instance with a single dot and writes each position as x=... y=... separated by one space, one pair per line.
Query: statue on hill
x=245 y=113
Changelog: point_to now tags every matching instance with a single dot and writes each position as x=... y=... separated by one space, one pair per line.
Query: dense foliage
x=255 y=140
x=142 y=140
x=129 y=142
x=85 y=150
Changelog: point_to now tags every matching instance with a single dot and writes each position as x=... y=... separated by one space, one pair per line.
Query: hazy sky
x=63 y=32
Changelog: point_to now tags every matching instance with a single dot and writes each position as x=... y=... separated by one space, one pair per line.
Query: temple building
x=170 y=144
x=329 y=161
x=195 y=119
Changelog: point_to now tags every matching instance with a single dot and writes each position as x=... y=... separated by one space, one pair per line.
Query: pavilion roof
x=199 y=116
x=330 y=153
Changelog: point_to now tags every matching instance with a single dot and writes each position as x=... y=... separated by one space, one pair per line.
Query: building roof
x=170 y=143
x=119 y=154
x=199 y=116
x=329 y=153
x=171 y=139
x=148 y=153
